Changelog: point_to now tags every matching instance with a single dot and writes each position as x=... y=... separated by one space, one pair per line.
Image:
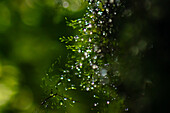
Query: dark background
x=146 y=71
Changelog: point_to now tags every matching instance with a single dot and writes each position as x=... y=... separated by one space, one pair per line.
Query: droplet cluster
x=93 y=66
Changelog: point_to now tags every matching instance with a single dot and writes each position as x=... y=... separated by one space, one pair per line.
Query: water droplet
x=98 y=3
x=65 y=98
x=74 y=101
x=95 y=104
x=82 y=58
x=104 y=33
x=126 y=109
x=95 y=57
x=61 y=103
x=92 y=83
x=78 y=69
x=89 y=39
x=80 y=64
x=88 y=50
x=99 y=13
x=103 y=72
x=107 y=10
x=99 y=51
x=90 y=63
x=111 y=1
x=65 y=4
x=69 y=80
x=76 y=37
x=86 y=23
x=84 y=30
x=108 y=102
x=72 y=67
x=89 y=26
x=94 y=66
x=46 y=105
x=59 y=83
x=85 y=54
x=66 y=89
x=79 y=51
x=61 y=78
x=87 y=89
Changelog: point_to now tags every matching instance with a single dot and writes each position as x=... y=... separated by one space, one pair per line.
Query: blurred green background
x=29 y=44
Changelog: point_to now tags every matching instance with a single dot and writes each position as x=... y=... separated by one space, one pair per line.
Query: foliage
x=29 y=43
x=92 y=64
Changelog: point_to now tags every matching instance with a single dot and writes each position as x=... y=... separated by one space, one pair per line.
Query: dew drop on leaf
x=74 y=101
x=87 y=89
x=100 y=13
x=126 y=109
x=61 y=103
x=46 y=105
x=111 y=1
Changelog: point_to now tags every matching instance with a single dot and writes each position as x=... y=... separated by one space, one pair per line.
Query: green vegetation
x=80 y=56
x=92 y=65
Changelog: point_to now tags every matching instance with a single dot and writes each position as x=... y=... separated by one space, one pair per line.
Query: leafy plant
x=91 y=73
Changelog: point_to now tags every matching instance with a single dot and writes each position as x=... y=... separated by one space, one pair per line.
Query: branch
x=56 y=94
